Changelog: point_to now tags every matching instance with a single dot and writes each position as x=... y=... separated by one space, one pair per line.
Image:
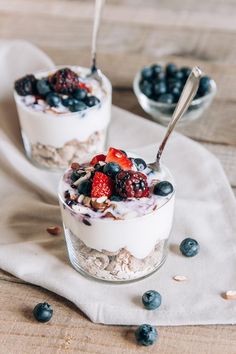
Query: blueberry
x=140 y=164
x=176 y=92
x=159 y=88
x=111 y=169
x=146 y=88
x=68 y=102
x=43 y=87
x=146 y=73
x=166 y=98
x=146 y=335
x=74 y=176
x=116 y=198
x=151 y=299
x=171 y=69
x=80 y=94
x=70 y=203
x=98 y=167
x=156 y=70
x=163 y=188
x=77 y=106
x=91 y=101
x=204 y=86
x=186 y=71
x=173 y=82
x=43 y=312
x=85 y=188
x=53 y=99
x=189 y=247
x=179 y=75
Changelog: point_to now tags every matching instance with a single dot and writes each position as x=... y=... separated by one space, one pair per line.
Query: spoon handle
x=97 y=18
x=184 y=102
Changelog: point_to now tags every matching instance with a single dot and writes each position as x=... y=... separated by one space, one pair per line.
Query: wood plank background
x=133 y=33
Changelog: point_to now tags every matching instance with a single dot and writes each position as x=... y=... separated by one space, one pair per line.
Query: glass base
x=113 y=267
x=57 y=159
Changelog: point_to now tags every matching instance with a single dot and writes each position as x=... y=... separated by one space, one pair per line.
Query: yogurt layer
x=134 y=224
x=55 y=126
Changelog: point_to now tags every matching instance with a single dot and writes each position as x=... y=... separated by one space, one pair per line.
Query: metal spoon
x=184 y=102
x=95 y=73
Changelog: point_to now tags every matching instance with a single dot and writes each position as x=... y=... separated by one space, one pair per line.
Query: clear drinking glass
x=53 y=140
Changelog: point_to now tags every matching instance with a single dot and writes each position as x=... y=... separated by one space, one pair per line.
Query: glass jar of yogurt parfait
x=117 y=215
x=64 y=115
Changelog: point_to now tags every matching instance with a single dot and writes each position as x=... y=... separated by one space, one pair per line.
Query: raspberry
x=102 y=185
x=26 y=85
x=131 y=184
x=120 y=158
x=64 y=81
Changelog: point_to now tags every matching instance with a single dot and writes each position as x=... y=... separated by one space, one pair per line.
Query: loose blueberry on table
x=63 y=88
x=189 y=247
x=43 y=312
x=151 y=299
x=146 y=335
x=165 y=84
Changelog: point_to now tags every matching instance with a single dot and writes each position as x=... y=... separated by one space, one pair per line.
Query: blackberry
x=64 y=81
x=131 y=184
x=26 y=85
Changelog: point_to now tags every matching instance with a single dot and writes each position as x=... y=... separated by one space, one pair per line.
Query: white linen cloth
x=205 y=210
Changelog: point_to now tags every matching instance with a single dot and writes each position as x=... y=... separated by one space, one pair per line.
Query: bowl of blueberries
x=158 y=89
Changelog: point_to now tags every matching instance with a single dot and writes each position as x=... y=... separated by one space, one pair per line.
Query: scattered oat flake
x=230 y=295
x=180 y=278
x=54 y=230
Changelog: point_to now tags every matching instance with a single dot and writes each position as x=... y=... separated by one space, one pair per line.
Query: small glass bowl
x=162 y=112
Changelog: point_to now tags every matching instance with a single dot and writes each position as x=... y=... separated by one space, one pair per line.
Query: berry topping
x=131 y=184
x=77 y=106
x=146 y=334
x=80 y=94
x=64 y=81
x=26 y=85
x=140 y=164
x=85 y=188
x=189 y=247
x=171 y=69
x=91 y=101
x=151 y=300
x=120 y=158
x=43 y=312
x=97 y=158
x=146 y=73
x=102 y=185
x=163 y=188
x=53 y=99
x=43 y=87
x=111 y=169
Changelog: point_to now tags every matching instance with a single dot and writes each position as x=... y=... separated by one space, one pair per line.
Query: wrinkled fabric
x=205 y=210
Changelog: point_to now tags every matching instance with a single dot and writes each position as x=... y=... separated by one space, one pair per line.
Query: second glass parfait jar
x=64 y=115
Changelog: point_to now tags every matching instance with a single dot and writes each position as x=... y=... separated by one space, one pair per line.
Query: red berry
x=131 y=184
x=102 y=185
x=64 y=81
x=120 y=158
x=97 y=158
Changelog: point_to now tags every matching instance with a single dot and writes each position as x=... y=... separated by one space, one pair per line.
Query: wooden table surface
x=133 y=33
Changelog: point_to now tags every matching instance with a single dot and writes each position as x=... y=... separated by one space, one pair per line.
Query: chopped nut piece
x=54 y=230
x=83 y=178
x=73 y=197
x=87 y=201
x=109 y=215
x=80 y=198
x=75 y=166
x=98 y=206
x=101 y=199
x=180 y=278
x=230 y=295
